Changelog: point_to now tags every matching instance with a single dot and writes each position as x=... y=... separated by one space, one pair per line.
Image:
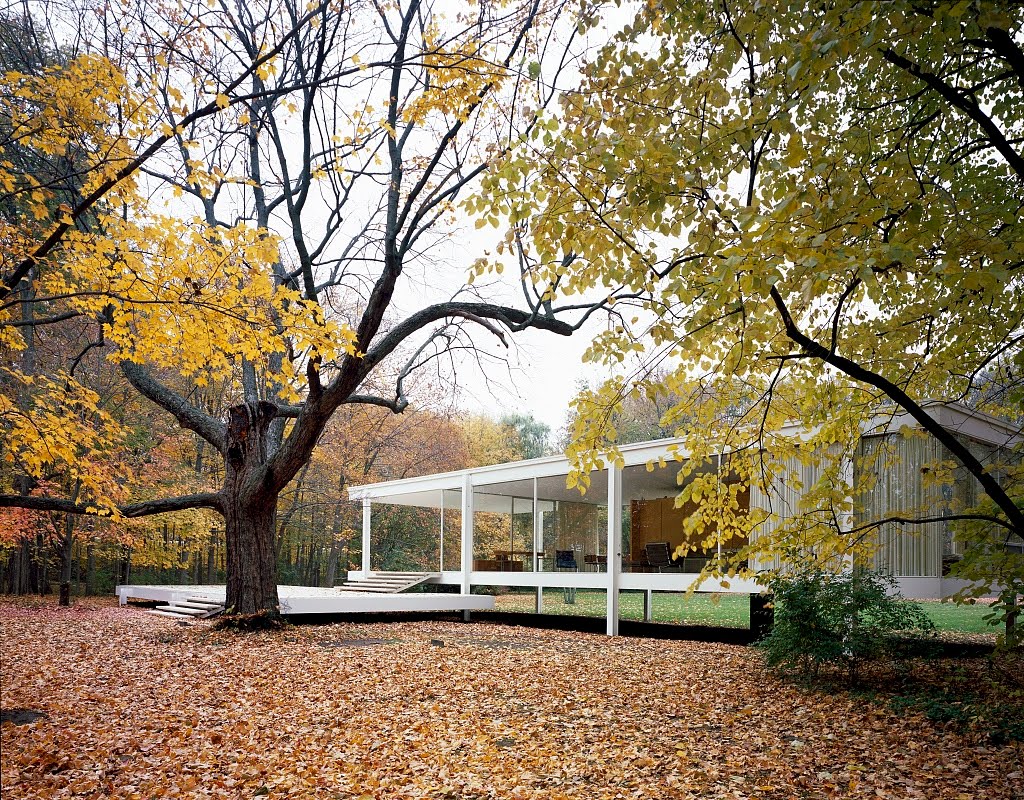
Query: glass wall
x=502 y=529
x=654 y=526
x=574 y=527
x=917 y=476
x=451 y=530
x=404 y=538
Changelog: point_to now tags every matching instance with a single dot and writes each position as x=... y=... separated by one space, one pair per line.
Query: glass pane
x=452 y=530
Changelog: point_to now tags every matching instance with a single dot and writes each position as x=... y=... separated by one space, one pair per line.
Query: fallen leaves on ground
x=136 y=706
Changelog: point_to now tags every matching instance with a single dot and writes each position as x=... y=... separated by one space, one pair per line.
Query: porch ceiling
x=637 y=483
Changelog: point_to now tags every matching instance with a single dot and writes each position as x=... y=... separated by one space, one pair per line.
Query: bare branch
x=897 y=520
x=212 y=430
x=10 y=281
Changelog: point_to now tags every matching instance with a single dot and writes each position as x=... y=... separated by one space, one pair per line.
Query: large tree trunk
x=21 y=575
x=90 y=569
x=66 y=553
x=250 y=512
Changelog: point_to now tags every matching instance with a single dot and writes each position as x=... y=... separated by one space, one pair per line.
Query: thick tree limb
x=146 y=508
x=964 y=103
x=38 y=322
x=1005 y=46
x=511 y=317
x=396 y=406
x=313 y=415
x=998 y=495
x=212 y=430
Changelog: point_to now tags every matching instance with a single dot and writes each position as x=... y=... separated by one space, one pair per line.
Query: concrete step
x=386 y=582
x=195 y=605
x=400 y=574
x=205 y=601
x=171 y=614
x=183 y=610
x=356 y=587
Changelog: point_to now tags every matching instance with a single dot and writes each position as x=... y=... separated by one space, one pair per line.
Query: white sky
x=541 y=379
x=539 y=372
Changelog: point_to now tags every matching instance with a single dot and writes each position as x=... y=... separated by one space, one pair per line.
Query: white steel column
x=846 y=518
x=538 y=544
x=366 y=535
x=614 y=546
x=440 y=565
x=467 y=531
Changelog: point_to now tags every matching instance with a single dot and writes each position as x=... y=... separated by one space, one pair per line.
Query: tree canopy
x=819 y=209
x=259 y=191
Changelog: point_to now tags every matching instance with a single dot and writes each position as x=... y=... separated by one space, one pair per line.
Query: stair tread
x=402 y=574
x=191 y=612
x=198 y=606
x=366 y=589
x=157 y=613
x=360 y=588
x=385 y=582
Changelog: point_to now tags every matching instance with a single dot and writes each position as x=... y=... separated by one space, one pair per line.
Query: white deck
x=317 y=600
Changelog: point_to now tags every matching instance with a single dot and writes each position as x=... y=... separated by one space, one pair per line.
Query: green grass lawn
x=959 y=618
x=721 y=610
x=724 y=610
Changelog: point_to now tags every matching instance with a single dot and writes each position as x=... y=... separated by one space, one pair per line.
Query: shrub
x=838 y=620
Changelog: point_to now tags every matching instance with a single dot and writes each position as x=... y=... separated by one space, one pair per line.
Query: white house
x=519 y=525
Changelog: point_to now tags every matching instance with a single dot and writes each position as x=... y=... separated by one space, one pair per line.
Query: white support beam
x=538 y=546
x=846 y=521
x=467 y=531
x=366 y=535
x=440 y=559
x=614 y=547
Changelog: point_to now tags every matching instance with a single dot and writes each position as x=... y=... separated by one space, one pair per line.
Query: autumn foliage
x=129 y=706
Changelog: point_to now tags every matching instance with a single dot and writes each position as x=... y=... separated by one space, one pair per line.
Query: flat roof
x=496 y=486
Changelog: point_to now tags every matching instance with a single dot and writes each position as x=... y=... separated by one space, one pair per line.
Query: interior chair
x=659 y=556
x=565 y=561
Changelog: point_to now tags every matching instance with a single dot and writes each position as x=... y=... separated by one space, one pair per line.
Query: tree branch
x=189 y=417
x=395 y=406
x=11 y=280
x=925 y=520
x=968 y=105
x=145 y=508
x=511 y=317
x=860 y=373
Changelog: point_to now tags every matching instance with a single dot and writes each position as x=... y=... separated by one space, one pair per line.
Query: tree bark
x=40 y=564
x=20 y=572
x=90 y=569
x=66 y=553
x=211 y=563
x=250 y=512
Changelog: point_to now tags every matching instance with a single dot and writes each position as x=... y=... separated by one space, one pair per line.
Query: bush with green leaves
x=840 y=620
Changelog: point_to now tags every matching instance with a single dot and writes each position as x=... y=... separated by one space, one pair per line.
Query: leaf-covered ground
x=136 y=706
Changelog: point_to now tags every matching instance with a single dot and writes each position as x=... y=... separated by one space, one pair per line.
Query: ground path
x=138 y=706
